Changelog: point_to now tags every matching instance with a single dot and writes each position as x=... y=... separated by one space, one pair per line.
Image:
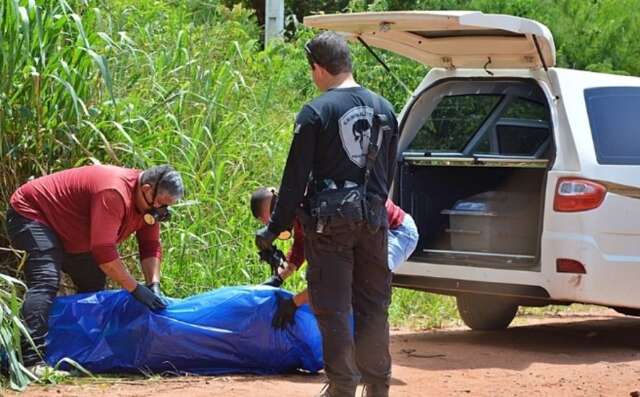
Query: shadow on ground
x=615 y=339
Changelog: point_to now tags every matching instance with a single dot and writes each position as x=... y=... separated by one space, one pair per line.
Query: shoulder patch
x=355 y=132
x=296 y=130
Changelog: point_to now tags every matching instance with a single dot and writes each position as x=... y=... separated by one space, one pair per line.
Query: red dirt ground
x=570 y=355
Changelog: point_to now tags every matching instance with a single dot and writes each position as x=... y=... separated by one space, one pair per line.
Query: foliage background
x=137 y=83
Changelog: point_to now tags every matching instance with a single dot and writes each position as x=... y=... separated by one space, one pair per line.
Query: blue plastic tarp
x=223 y=331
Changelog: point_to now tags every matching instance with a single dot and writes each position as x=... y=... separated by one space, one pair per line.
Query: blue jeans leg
x=402 y=242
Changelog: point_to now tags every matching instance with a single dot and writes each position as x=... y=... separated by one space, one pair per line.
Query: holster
x=343 y=203
x=375 y=213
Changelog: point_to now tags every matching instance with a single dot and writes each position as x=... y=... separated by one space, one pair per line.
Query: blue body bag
x=223 y=331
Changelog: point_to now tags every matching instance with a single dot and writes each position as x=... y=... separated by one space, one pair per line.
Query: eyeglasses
x=312 y=60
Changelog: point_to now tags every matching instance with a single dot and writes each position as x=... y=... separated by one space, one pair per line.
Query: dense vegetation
x=143 y=82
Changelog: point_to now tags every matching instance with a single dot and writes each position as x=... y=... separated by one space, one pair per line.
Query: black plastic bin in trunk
x=494 y=222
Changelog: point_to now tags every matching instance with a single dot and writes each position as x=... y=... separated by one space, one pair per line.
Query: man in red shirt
x=402 y=239
x=73 y=221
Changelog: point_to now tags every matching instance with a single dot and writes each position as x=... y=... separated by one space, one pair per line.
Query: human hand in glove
x=264 y=238
x=285 y=313
x=149 y=298
x=155 y=287
x=274 y=281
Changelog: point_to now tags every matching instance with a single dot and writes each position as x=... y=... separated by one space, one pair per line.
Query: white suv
x=523 y=178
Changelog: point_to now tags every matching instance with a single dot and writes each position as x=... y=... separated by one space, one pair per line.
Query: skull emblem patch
x=355 y=133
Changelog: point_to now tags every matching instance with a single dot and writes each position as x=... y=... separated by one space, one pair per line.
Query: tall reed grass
x=52 y=81
x=137 y=83
x=12 y=330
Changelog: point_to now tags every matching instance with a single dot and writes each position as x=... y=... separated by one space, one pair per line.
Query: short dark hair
x=331 y=51
x=168 y=180
x=258 y=197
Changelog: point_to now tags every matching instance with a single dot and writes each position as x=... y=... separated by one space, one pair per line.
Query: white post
x=273 y=20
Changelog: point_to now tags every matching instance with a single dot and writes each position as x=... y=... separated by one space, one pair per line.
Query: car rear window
x=614 y=116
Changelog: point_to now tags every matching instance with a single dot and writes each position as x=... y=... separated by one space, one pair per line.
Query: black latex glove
x=285 y=313
x=147 y=297
x=155 y=287
x=264 y=238
x=274 y=281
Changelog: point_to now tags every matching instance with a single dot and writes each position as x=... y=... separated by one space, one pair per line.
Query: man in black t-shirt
x=347 y=269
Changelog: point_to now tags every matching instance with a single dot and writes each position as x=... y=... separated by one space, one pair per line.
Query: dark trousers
x=45 y=259
x=348 y=273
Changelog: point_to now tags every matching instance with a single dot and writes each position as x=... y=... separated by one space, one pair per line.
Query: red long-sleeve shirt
x=395 y=214
x=296 y=257
x=91 y=209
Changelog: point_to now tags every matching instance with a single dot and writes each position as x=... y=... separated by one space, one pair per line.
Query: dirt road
x=575 y=355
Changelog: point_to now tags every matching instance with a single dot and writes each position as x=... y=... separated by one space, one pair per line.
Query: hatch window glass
x=521 y=130
x=453 y=122
x=522 y=108
x=614 y=116
x=520 y=139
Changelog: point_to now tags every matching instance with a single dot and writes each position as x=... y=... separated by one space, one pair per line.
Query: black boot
x=333 y=390
x=375 y=390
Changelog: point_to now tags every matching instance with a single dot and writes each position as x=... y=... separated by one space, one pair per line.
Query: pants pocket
x=28 y=235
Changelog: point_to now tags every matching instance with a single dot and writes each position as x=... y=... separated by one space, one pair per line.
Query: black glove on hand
x=147 y=297
x=155 y=287
x=285 y=313
x=274 y=281
x=264 y=238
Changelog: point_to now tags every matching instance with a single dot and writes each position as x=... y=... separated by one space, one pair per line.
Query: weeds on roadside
x=12 y=330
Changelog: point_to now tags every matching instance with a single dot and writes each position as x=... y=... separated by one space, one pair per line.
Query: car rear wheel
x=486 y=312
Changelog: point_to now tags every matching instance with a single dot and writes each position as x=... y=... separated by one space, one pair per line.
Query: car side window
x=614 y=116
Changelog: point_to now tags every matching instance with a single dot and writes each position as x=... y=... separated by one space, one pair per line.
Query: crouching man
x=73 y=221
x=402 y=240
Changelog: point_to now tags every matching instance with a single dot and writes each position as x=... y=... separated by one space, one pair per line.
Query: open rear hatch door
x=449 y=39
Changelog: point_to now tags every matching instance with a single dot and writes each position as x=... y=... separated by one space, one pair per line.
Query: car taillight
x=574 y=194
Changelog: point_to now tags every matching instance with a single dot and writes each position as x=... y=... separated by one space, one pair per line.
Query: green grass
x=421 y=310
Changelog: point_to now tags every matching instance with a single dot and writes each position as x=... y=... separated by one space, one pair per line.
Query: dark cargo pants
x=348 y=272
x=45 y=259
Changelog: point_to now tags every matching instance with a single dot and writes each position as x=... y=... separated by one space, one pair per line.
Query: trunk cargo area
x=475 y=215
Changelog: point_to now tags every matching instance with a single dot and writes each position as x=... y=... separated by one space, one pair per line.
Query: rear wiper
x=384 y=65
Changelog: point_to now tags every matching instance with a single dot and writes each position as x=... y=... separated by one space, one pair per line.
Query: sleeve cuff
x=150 y=249
x=295 y=259
x=104 y=253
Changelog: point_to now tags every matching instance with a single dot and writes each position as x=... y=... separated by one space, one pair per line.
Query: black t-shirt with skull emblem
x=331 y=138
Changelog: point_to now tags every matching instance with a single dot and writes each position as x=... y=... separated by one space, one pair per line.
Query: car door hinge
x=448 y=63
x=384 y=26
